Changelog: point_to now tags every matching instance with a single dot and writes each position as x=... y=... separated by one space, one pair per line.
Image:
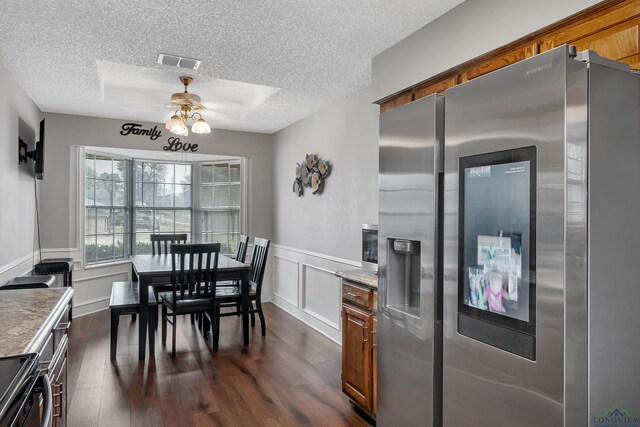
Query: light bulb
x=201 y=127
x=179 y=128
x=174 y=121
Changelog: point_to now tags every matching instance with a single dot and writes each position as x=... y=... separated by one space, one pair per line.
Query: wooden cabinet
x=612 y=29
x=374 y=349
x=357 y=380
x=359 y=342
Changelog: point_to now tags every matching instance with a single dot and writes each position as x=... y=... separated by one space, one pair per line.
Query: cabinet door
x=374 y=358
x=357 y=376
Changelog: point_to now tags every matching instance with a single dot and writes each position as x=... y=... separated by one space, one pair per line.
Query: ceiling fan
x=187 y=109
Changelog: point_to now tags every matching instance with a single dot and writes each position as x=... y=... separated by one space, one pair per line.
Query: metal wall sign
x=172 y=143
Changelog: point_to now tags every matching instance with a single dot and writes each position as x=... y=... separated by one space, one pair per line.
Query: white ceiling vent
x=177 y=61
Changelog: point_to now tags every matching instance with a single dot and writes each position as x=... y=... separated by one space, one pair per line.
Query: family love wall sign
x=173 y=143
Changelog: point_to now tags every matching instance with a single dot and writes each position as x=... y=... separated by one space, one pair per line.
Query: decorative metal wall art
x=311 y=173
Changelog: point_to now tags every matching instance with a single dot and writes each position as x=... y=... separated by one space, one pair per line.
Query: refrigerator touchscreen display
x=497 y=228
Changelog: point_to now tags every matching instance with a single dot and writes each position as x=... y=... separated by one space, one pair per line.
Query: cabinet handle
x=57 y=389
x=62 y=326
x=57 y=405
x=352 y=295
x=364 y=335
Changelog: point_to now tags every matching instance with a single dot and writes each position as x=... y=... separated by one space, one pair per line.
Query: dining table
x=155 y=271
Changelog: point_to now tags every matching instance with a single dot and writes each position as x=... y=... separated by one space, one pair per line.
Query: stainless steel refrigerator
x=542 y=245
x=509 y=245
x=409 y=320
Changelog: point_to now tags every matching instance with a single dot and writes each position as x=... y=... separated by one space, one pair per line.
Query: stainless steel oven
x=370 y=247
x=25 y=393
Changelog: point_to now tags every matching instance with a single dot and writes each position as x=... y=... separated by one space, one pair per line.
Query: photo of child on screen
x=493 y=283
x=495 y=292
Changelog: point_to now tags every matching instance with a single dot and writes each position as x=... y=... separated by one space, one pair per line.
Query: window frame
x=78 y=170
x=126 y=233
x=229 y=209
x=154 y=209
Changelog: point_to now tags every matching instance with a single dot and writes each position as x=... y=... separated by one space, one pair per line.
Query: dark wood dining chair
x=158 y=241
x=193 y=279
x=242 y=248
x=231 y=296
x=241 y=254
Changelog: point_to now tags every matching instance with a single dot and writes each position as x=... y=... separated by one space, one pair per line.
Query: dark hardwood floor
x=289 y=378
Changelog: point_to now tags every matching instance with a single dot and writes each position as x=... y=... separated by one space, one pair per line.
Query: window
x=162 y=201
x=220 y=201
x=127 y=200
x=106 y=208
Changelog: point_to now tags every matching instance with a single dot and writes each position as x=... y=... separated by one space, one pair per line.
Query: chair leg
x=238 y=309
x=115 y=321
x=192 y=319
x=133 y=317
x=253 y=315
x=263 y=325
x=152 y=319
x=164 y=324
x=206 y=324
x=214 y=329
x=173 y=336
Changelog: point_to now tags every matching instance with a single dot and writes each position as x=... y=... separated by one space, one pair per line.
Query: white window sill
x=106 y=264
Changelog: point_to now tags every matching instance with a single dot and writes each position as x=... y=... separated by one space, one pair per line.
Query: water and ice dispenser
x=403 y=275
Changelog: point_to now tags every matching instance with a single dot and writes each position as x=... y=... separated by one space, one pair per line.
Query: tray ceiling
x=265 y=64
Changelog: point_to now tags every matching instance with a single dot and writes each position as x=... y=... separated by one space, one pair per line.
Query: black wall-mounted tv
x=37 y=155
x=39 y=170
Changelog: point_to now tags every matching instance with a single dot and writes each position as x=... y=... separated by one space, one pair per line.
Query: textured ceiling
x=265 y=63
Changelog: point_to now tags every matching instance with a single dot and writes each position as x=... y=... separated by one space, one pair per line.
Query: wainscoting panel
x=93 y=292
x=304 y=284
x=285 y=280
x=321 y=290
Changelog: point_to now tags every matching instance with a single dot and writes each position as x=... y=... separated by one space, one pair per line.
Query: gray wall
x=469 y=30
x=345 y=133
x=16 y=184
x=59 y=186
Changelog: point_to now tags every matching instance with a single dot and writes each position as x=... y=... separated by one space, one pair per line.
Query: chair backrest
x=160 y=240
x=242 y=248
x=193 y=269
x=258 y=262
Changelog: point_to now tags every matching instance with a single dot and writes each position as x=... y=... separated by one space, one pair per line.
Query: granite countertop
x=359 y=276
x=27 y=316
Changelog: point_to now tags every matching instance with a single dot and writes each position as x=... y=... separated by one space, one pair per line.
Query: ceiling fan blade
x=224 y=105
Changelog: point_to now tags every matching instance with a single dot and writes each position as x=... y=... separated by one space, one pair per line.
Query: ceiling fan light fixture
x=188 y=105
x=201 y=127
x=174 y=121
x=179 y=128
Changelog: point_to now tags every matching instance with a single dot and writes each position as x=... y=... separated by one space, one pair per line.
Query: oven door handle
x=47 y=401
